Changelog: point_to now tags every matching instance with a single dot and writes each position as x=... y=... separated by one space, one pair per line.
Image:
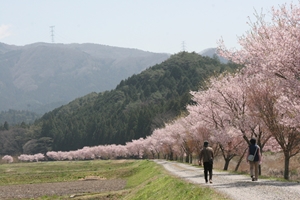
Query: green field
x=145 y=179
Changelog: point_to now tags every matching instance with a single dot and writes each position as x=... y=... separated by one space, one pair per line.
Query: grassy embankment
x=145 y=179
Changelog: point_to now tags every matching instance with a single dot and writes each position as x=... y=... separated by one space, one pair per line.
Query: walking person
x=207 y=155
x=254 y=158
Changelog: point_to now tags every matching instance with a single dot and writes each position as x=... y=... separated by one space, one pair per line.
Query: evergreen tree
x=138 y=105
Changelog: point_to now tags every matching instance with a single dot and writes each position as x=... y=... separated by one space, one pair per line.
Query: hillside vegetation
x=40 y=77
x=134 y=109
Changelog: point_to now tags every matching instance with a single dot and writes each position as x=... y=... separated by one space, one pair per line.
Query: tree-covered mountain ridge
x=136 y=107
x=41 y=76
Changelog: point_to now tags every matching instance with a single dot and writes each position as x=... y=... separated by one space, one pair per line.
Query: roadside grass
x=153 y=182
x=145 y=179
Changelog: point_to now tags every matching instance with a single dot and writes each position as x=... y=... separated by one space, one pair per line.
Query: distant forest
x=136 y=107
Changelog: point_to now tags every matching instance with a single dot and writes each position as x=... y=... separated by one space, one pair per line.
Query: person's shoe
x=253 y=179
x=210 y=181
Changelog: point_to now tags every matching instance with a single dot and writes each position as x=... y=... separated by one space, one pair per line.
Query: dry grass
x=272 y=165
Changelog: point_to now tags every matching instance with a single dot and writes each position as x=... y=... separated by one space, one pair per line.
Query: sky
x=161 y=26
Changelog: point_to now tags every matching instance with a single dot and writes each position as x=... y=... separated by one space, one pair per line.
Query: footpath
x=235 y=186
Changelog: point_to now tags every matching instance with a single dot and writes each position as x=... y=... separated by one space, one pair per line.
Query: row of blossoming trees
x=261 y=100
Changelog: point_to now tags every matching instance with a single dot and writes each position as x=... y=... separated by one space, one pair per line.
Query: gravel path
x=234 y=186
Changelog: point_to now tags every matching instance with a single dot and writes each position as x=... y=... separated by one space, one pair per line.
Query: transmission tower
x=52 y=33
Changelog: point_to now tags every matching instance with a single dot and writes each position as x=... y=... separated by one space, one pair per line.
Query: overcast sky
x=163 y=26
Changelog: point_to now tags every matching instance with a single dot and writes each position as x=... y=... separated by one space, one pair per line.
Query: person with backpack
x=207 y=155
x=254 y=159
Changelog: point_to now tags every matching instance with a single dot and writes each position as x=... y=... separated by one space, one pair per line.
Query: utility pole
x=52 y=33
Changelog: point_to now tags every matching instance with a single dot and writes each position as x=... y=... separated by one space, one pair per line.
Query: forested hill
x=41 y=76
x=134 y=109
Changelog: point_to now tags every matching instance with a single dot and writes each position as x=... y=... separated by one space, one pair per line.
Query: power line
x=52 y=33
x=61 y=38
x=183 y=46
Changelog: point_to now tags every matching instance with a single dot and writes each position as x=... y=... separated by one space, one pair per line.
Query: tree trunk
x=187 y=158
x=153 y=155
x=176 y=157
x=180 y=158
x=286 y=166
x=165 y=156
x=171 y=156
x=240 y=160
x=226 y=164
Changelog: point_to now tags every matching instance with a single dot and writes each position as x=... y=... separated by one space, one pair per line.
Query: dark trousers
x=207 y=169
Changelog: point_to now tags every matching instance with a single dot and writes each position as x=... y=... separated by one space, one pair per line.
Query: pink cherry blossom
x=8 y=158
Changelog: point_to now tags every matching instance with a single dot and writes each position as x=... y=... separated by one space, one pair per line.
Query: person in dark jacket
x=207 y=155
x=255 y=151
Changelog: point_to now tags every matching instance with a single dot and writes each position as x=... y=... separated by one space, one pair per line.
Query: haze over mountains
x=212 y=53
x=41 y=76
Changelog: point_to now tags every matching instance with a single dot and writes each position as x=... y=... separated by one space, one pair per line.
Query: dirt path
x=60 y=188
x=234 y=186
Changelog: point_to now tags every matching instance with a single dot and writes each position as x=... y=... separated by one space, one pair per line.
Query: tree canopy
x=136 y=107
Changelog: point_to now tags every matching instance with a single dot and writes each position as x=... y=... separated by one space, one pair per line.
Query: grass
x=153 y=182
x=271 y=168
x=41 y=172
x=145 y=179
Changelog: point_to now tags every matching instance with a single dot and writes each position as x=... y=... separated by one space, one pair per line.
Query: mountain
x=136 y=107
x=212 y=53
x=14 y=117
x=40 y=77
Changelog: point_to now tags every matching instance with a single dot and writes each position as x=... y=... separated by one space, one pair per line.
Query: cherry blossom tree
x=30 y=158
x=57 y=155
x=210 y=110
x=136 y=148
x=167 y=142
x=271 y=49
x=150 y=143
x=224 y=107
x=154 y=144
x=192 y=135
x=233 y=92
x=86 y=153
x=8 y=159
x=201 y=134
x=264 y=97
x=120 y=151
x=183 y=139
